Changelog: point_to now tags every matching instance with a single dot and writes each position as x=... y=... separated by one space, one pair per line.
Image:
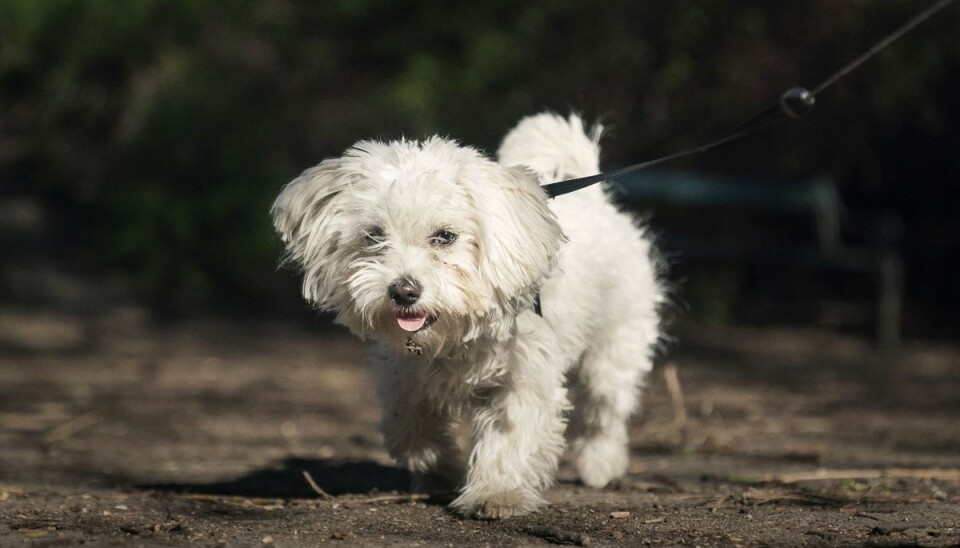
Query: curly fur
x=362 y=223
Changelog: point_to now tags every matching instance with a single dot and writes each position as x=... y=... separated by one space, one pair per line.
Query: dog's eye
x=443 y=238
x=374 y=235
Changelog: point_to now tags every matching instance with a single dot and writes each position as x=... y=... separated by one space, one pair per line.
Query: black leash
x=795 y=103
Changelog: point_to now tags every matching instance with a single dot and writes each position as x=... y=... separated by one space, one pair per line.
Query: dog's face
x=429 y=243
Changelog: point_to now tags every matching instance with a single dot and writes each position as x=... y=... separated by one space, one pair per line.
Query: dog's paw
x=516 y=502
x=601 y=461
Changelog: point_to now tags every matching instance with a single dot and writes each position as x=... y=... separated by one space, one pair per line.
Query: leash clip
x=797 y=102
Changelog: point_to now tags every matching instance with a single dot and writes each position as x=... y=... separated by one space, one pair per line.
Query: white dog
x=437 y=254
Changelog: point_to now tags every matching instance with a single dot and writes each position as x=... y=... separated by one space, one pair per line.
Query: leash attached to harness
x=794 y=103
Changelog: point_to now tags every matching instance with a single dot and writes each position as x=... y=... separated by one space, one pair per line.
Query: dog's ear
x=521 y=235
x=307 y=214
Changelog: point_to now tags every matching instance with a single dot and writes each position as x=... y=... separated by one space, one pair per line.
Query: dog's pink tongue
x=411 y=323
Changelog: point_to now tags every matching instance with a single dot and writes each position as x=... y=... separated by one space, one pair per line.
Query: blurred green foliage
x=159 y=131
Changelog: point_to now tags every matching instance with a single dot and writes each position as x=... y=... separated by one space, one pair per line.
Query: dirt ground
x=117 y=430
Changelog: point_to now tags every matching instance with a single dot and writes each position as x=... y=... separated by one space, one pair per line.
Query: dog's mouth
x=411 y=321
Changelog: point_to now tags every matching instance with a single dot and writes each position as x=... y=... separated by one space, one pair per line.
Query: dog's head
x=423 y=241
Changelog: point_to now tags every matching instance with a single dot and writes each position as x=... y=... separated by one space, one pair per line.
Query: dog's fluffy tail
x=553 y=147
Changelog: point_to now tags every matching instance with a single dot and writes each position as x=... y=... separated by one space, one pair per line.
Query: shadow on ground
x=286 y=479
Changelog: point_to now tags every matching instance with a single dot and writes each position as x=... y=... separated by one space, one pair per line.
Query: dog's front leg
x=518 y=439
x=417 y=433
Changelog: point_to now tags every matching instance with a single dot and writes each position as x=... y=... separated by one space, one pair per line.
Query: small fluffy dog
x=437 y=254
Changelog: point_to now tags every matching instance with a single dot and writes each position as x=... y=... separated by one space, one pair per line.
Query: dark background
x=142 y=142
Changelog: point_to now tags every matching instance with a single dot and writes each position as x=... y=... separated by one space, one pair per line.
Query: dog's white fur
x=358 y=223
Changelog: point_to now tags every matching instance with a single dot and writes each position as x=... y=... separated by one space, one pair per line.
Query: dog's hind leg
x=605 y=392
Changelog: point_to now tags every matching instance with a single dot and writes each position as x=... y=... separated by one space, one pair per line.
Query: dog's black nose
x=404 y=292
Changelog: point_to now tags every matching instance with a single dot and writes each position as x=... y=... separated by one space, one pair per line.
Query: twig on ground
x=676 y=394
x=399 y=497
x=233 y=499
x=7 y=490
x=354 y=500
x=65 y=430
x=823 y=474
x=316 y=488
